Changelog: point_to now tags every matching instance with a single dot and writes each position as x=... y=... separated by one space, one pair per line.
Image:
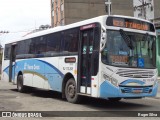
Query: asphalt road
x=41 y=100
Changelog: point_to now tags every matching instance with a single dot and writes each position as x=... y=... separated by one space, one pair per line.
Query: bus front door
x=85 y=66
x=12 y=63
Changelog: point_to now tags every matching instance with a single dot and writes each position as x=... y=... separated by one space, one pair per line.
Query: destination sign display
x=130 y=23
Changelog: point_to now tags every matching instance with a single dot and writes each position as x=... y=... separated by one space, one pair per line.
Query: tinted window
x=21 y=48
x=36 y=47
x=27 y=44
x=7 y=51
x=40 y=45
x=32 y=46
x=53 y=44
x=96 y=38
x=70 y=41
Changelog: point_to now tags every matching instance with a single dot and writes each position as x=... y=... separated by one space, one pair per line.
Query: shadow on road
x=41 y=93
x=98 y=104
x=106 y=104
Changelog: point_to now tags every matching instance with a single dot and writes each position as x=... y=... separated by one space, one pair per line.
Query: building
x=157 y=14
x=64 y=12
x=70 y=11
x=144 y=9
x=122 y=7
x=147 y=9
x=157 y=23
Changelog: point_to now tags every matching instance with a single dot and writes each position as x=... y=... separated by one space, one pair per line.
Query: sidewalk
x=5 y=85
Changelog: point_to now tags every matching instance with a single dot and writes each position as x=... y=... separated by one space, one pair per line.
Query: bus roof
x=77 y=24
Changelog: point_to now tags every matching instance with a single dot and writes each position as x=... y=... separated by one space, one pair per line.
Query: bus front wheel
x=71 y=91
x=20 y=86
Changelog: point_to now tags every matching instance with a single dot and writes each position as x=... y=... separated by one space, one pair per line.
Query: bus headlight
x=106 y=77
x=111 y=80
x=114 y=82
x=155 y=82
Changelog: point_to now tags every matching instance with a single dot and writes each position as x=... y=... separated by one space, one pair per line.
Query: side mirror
x=103 y=38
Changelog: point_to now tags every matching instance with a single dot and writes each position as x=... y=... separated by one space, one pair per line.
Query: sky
x=21 y=16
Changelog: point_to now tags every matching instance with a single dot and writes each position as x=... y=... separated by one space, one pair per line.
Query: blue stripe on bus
x=5 y=69
x=62 y=75
x=54 y=76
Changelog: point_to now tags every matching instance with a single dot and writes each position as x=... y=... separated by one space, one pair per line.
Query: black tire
x=71 y=91
x=20 y=86
x=114 y=99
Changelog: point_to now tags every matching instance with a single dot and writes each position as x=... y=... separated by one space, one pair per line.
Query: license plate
x=137 y=91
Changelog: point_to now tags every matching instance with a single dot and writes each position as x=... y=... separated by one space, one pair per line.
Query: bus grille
x=135 y=73
x=132 y=89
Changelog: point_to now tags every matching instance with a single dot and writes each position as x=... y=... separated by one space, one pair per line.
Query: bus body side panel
x=5 y=70
x=68 y=67
x=23 y=66
x=46 y=73
x=53 y=74
x=37 y=72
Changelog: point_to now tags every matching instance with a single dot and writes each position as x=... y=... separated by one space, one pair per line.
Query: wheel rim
x=71 y=90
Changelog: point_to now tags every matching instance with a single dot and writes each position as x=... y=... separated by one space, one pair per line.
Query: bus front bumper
x=108 y=90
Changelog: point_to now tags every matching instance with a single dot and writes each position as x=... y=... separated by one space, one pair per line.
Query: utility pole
x=142 y=7
x=108 y=6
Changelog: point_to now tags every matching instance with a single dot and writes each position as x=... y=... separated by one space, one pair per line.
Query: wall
x=122 y=7
x=157 y=8
x=77 y=10
x=148 y=12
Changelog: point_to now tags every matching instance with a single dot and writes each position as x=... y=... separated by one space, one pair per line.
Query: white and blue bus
x=109 y=57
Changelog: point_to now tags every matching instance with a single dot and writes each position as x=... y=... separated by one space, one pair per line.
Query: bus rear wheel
x=71 y=91
x=20 y=86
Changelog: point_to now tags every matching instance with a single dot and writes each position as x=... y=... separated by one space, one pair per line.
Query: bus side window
x=95 y=54
x=20 y=51
x=53 y=44
x=7 y=51
x=40 y=46
x=70 y=41
x=32 y=47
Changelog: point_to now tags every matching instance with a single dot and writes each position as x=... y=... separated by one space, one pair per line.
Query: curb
x=157 y=97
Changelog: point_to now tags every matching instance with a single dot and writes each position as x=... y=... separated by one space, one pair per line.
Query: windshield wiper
x=127 y=40
x=145 y=39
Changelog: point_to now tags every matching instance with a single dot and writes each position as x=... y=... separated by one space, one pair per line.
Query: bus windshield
x=118 y=53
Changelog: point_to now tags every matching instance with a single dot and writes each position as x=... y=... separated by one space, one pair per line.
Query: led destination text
x=132 y=25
